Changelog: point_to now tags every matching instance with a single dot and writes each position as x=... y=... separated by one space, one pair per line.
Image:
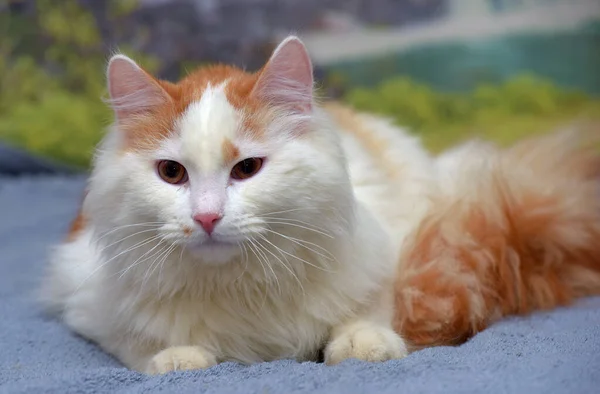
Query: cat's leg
x=368 y=336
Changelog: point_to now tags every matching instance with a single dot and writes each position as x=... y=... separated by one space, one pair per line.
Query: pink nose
x=208 y=221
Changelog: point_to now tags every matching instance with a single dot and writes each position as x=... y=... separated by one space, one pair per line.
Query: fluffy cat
x=510 y=231
x=229 y=217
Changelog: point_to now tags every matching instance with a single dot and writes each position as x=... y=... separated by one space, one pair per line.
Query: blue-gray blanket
x=554 y=352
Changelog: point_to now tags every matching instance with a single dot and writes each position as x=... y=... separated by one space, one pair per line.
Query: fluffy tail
x=512 y=231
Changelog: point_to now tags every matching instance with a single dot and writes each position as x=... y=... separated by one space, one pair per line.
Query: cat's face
x=226 y=157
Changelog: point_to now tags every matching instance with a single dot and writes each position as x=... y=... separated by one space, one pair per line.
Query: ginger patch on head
x=229 y=151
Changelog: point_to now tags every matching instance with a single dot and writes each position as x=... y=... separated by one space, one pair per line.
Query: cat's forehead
x=209 y=127
x=215 y=112
x=210 y=112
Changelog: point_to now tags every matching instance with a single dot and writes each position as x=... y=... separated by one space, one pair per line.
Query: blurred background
x=446 y=69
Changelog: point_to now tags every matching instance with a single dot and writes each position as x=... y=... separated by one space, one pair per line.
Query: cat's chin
x=214 y=252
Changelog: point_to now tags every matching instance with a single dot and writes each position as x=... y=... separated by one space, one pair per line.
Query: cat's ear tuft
x=132 y=90
x=287 y=78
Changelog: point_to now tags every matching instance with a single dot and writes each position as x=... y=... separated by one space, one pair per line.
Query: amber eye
x=172 y=172
x=246 y=168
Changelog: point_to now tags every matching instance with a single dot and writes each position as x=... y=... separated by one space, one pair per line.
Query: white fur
x=304 y=256
x=204 y=125
x=399 y=199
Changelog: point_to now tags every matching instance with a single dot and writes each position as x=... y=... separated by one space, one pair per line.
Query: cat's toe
x=367 y=343
x=180 y=358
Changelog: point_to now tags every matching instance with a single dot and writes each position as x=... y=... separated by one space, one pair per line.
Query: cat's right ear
x=132 y=90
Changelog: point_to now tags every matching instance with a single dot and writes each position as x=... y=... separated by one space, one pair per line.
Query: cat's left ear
x=287 y=78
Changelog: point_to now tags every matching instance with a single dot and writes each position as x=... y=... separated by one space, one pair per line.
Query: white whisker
x=266 y=261
x=328 y=256
x=294 y=256
x=137 y=261
x=124 y=238
x=146 y=224
x=242 y=246
x=153 y=268
x=253 y=248
x=274 y=255
x=139 y=244
x=161 y=267
x=299 y=226
x=291 y=210
x=282 y=263
x=158 y=254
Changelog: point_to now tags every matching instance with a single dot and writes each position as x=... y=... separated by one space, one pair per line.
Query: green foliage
x=52 y=79
x=521 y=106
x=61 y=125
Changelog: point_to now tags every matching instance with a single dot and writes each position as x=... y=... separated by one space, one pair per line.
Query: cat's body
x=229 y=217
x=318 y=269
x=237 y=313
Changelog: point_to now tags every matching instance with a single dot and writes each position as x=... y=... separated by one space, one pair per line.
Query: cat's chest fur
x=263 y=328
x=248 y=319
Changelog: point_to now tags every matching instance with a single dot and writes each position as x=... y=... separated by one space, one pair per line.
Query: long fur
x=305 y=252
x=511 y=231
x=300 y=259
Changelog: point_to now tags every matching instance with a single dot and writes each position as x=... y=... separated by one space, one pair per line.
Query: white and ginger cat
x=230 y=218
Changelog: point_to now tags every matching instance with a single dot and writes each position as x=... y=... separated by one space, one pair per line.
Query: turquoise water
x=569 y=59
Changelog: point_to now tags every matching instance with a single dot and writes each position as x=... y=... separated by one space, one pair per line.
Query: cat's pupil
x=248 y=166
x=172 y=170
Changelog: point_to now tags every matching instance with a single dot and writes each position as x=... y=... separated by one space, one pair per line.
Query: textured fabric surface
x=554 y=352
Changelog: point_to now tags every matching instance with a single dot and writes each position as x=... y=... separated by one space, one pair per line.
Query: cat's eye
x=172 y=172
x=246 y=168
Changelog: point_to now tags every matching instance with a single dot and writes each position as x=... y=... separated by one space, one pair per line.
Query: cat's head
x=221 y=157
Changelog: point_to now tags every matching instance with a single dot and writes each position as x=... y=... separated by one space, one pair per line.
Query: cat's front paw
x=367 y=342
x=180 y=358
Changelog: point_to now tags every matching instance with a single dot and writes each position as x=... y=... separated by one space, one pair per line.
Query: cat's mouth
x=212 y=251
x=210 y=242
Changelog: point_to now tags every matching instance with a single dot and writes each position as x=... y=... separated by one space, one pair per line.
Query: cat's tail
x=513 y=231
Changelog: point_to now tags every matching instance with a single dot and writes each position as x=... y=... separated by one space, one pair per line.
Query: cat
x=231 y=217
x=510 y=231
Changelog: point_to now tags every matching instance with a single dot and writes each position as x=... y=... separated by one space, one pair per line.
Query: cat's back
x=391 y=172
